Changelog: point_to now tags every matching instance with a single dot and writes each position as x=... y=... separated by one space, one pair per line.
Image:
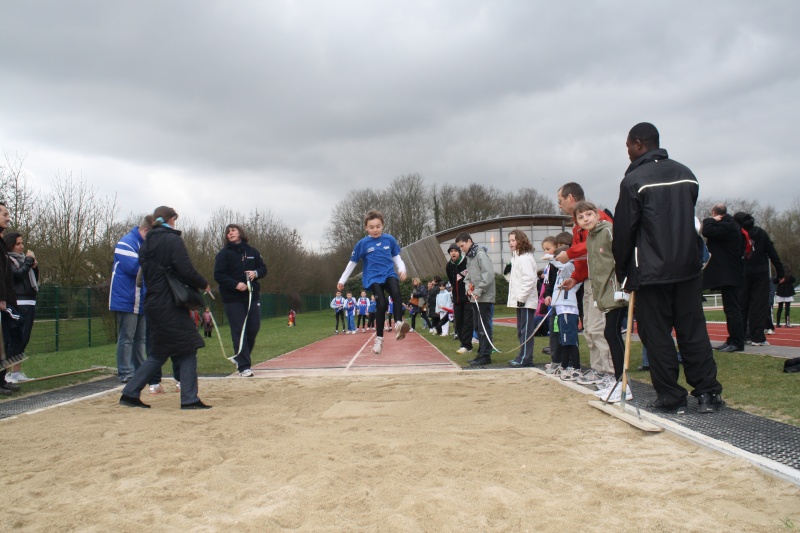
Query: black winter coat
x=172 y=330
x=655 y=239
x=7 y=293
x=726 y=245
x=456 y=281
x=229 y=267
x=763 y=249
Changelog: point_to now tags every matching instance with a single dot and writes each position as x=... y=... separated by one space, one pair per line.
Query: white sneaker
x=461 y=350
x=247 y=373
x=607 y=381
x=570 y=374
x=378 y=346
x=402 y=328
x=177 y=386
x=411 y=330
x=553 y=369
x=156 y=389
x=770 y=332
x=602 y=392
x=431 y=330
x=616 y=396
x=590 y=377
x=11 y=377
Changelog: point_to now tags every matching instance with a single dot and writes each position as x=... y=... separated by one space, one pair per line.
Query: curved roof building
x=428 y=257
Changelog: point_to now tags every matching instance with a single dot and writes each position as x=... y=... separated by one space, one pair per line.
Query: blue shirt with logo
x=377 y=254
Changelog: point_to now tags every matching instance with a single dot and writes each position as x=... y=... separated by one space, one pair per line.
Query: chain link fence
x=69 y=318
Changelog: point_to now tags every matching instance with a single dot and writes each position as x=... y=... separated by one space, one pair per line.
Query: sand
x=468 y=451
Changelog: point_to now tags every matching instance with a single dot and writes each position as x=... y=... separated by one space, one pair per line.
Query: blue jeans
x=130 y=343
x=153 y=364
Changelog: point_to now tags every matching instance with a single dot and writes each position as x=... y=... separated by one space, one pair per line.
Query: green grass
x=753 y=383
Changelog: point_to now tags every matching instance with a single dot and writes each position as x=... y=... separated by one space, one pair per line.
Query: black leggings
x=780 y=308
x=615 y=319
x=382 y=304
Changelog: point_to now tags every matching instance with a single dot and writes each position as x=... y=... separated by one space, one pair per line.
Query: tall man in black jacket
x=657 y=253
x=725 y=271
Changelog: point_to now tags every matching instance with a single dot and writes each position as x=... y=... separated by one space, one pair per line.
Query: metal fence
x=69 y=318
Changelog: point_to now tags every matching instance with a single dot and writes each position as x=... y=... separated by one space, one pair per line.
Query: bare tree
x=17 y=194
x=73 y=221
x=527 y=201
x=408 y=209
x=346 y=226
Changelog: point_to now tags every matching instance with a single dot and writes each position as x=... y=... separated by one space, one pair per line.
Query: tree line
x=73 y=230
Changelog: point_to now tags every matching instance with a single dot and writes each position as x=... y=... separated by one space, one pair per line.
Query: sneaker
x=569 y=374
x=336 y=332
x=462 y=350
x=616 y=395
x=389 y=329
x=659 y=406
x=156 y=389
x=246 y=373
x=402 y=329
x=5 y=392
x=709 y=403
x=431 y=330
x=17 y=377
x=607 y=382
x=363 y=330
x=546 y=350
x=378 y=346
x=196 y=405
x=554 y=369
x=770 y=332
x=481 y=361
x=130 y=401
x=177 y=386
x=411 y=330
x=590 y=377
x=475 y=341
x=765 y=343
x=13 y=387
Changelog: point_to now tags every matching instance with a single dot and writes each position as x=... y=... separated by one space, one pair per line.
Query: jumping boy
x=380 y=255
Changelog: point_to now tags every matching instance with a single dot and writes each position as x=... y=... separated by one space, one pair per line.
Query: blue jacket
x=124 y=295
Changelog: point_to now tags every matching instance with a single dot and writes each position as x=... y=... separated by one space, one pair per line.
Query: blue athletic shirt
x=377 y=256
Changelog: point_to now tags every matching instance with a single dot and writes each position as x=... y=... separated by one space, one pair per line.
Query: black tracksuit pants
x=659 y=309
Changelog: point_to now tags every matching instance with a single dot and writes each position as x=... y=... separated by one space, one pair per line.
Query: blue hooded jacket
x=124 y=295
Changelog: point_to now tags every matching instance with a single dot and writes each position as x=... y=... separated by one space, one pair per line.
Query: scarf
x=19 y=260
x=472 y=251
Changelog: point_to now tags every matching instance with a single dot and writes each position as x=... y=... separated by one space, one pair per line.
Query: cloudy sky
x=287 y=105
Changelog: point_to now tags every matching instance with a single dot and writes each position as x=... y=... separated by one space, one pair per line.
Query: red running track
x=354 y=352
x=718 y=332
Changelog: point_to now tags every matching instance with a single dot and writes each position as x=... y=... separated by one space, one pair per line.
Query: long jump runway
x=342 y=353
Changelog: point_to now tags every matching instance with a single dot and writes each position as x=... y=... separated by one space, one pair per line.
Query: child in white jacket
x=444 y=306
x=522 y=293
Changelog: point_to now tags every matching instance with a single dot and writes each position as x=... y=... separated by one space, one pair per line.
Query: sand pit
x=471 y=451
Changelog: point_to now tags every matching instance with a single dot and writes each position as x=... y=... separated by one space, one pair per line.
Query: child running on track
x=605 y=291
x=380 y=255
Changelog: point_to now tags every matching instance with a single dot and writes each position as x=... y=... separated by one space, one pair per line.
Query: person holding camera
x=25 y=270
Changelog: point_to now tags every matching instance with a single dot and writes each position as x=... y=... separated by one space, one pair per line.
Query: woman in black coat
x=172 y=331
x=236 y=265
